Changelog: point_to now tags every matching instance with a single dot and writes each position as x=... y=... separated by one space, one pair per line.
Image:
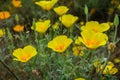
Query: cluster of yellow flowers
x=66 y=19
x=59 y=43
x=92 y=34
x=108 y=69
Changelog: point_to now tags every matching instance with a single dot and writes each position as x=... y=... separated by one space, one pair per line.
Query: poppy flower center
x=60 y=47
x=25 y=57
x=92 y=42
x=95 y=30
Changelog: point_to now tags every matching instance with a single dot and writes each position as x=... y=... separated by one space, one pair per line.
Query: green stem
x=71 y=30
x=36 y=38
x=115 y=35
x=22 y=37
x=88 y=54
x=109 y=53
x=91 y=56
x=117 y=41
x=86 y=17
x=8 y=69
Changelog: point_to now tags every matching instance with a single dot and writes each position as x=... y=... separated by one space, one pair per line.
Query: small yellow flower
x=117 y=60
x=41 y=26
x=82 y=23
x=95 y=26
x=118 y=7
x=94 y=41
x=24 y=54
x=46 y=5
x=109 y=67
x=97 y=63
x=4 y=15
x=18 y=28
x=55 y=26
x=78 y=51
x=113 y=70
x=68 y=20
x=61 y=10
x=110 y=23
x=110 y=10
x=16 y=3
x=60 y=43
x=80 y=79
x=78 y=41
x=2 y=32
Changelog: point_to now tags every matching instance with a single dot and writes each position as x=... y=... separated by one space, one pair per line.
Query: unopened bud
x=111 y=47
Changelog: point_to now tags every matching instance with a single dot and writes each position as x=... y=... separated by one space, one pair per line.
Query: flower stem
x=8 y=69
x=109 y=53
x=115 y=35
x=71 y=30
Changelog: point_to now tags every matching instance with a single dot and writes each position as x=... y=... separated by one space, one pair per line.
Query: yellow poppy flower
x=94 y=41
x=41 y=26
x=4 y=15
x=60 y=10
x=46 y=5
x=95 y=26
x=18 y=28
x=60 y=43
x=2 y=32
x=80 y=79
x=16 y=3
x=24 y=54
x=68 y=20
